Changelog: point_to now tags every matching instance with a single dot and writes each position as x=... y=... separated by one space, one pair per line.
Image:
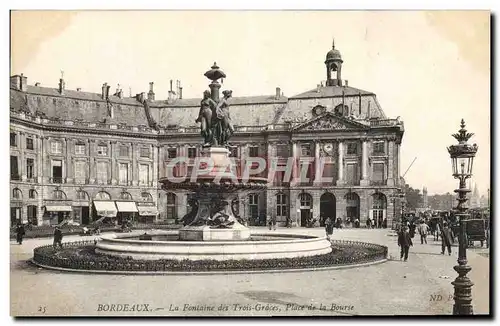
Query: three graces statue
x=216 y=126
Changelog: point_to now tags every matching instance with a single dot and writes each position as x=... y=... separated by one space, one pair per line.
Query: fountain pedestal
x=215 y=218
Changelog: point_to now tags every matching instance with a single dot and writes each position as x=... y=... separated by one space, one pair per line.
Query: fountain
x=213 y=231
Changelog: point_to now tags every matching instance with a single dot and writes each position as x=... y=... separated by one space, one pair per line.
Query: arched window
x=102 y=195
x=32 y=194
x=146 y=196
x=58 y=194
x=253 y=205
x=305 y=200
x=379 y=209
x=125 y=196
x=82 y=195
x=17 y=194
x=281 y=205
x=171 y=206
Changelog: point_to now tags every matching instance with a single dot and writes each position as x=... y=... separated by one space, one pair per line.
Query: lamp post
x=462 y=157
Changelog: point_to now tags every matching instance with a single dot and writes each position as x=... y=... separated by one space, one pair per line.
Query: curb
x=319 y=269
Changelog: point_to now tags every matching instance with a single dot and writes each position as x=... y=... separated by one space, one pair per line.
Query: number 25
x=41 y=309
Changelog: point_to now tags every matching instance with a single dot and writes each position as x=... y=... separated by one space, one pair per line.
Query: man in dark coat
x=446 y=239
x=20 y=233
x=58 y=235
x=329 y=227
x=404 y=241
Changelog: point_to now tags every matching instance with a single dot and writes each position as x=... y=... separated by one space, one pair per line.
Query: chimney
x=119 y=92
x=104 y=90
x=346 y=83
x=278 y=93
x=151 y=93
x=180 y=93
x=37 y=84
x=140 y=97
x=318 y=88
x=61 y=86
x=78 y=89
x=171 y=84
x=19 y=82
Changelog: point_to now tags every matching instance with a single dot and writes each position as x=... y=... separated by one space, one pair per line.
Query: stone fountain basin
x=284 y=246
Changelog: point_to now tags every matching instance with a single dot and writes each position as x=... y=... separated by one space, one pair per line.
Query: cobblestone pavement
x=419 y=286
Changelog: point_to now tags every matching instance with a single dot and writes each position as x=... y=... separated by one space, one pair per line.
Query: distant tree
x=413 y=198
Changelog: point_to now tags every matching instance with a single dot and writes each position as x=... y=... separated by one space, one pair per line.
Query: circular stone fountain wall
x=275 y=245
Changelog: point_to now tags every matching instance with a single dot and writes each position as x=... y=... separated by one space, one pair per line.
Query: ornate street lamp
x=462 y=157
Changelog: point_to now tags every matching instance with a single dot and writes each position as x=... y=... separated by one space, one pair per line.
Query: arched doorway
x=327 y=207
x=306 y=205
x=352 y=206
x=379 y=209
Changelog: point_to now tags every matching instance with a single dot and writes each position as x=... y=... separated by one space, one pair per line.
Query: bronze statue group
x=214 y=119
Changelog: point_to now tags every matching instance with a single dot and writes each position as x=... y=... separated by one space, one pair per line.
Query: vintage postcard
x=249 y=163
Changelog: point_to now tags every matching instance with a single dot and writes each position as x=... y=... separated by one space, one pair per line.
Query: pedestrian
x=356 y=223
x=404 y=241
x=437 y=231
x=423 y=228
x=272 y=223
x=446 y=239
x=329 y=227
x=58 y=235
x=20 y=233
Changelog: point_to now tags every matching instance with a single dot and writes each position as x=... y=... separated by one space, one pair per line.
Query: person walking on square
x=272 y=223
x=437 y=232
x=329 y=227
x=20 y=233
x=404 y=241
x=446 y=239
x=423 y=228
x=58 y=235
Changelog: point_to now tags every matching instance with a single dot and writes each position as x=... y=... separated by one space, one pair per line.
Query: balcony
x=15 y=177
x=56 y=180
x=81 y=181
x=378 y=182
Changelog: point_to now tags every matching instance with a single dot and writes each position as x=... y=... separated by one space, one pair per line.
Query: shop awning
x=57 y=208
x=105 y=208
x=126 y=206
x=147 y=210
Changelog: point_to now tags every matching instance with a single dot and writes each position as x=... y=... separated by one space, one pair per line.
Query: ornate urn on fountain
x=214 y=180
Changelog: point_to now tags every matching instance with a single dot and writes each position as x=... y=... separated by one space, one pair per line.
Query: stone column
x=317 y=165
x=390 y=167
x=364 y=163
x=340 y=176
x=161 y=162
x=39 y=158
x=295 y=166
x=135 y=168
x=398 y=167
x=22 y=159
x=316 y=196
x=46 y=159
x=92 y=167
x=113 y=165
x=154 y=176
x=69 y=166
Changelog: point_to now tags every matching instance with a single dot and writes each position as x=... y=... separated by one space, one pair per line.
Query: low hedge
x=81 y=255
x=48 y=231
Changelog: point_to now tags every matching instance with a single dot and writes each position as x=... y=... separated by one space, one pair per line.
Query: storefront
x=16 y=210
x=55 y=214
x=126 y=211
x=147 y=212
x=104 y=208
x=81 y=214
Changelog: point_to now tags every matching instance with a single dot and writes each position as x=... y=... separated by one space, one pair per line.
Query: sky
x=429 y=68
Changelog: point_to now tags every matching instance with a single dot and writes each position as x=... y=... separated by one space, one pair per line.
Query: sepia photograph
x=208 y=163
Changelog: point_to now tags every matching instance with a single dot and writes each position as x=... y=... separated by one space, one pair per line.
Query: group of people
x=21 y=232
x=407 y=232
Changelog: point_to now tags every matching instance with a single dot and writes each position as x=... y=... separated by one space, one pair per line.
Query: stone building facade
x=84 y=156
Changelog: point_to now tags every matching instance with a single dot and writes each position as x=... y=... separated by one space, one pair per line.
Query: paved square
x=420 y=286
